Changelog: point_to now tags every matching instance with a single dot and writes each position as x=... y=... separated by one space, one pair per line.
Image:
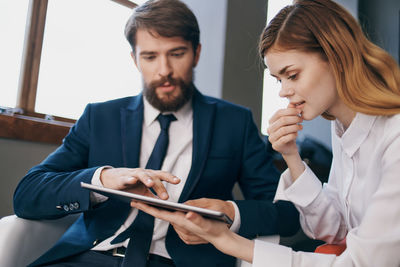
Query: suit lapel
x=131 y=131
x=131 y=135
x=203 y=121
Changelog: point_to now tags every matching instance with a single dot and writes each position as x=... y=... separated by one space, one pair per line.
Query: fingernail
x=176 y=179
x=149 y=180
x=164 y=195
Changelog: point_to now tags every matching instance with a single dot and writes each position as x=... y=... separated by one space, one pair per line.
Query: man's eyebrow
x=146 y=53
x=178 y=48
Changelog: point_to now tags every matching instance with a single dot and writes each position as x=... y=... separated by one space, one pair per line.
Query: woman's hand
x=191 y=222
x=213 y=231
x=208 y=203
x=283 y=128
x=283 y=131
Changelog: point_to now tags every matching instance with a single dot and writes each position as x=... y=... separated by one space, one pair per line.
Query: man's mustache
x=162 y=81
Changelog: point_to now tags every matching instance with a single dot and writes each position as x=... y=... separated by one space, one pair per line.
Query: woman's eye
x=292 y=77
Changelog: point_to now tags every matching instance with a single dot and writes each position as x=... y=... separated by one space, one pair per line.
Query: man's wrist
x=96 y=198
x=236 y=217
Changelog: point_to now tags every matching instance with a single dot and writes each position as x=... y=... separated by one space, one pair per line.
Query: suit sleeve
x=258 y=181
x=52 y=188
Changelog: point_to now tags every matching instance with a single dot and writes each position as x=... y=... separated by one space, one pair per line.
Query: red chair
x=336 y=249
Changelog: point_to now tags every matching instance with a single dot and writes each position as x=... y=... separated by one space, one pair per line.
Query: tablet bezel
x=164 y=204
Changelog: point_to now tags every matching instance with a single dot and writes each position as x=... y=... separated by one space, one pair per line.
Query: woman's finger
x=283 y=112
x=283 y=131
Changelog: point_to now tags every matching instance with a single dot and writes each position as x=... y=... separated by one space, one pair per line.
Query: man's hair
x=166 y=18
x=367 y=77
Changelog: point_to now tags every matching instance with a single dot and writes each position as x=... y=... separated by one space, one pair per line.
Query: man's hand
x=214 y=204
x=138 y=181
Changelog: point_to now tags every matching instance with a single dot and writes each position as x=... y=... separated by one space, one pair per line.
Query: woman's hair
x=167 y=18
x=367 y=77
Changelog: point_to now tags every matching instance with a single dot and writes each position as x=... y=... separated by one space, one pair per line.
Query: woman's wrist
x=295 y=165
x=235 y=245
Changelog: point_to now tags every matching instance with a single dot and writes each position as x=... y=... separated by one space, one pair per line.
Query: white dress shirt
x=178 y=161
x=361 y=200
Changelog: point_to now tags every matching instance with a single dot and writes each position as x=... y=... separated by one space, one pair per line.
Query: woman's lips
x=299 y=104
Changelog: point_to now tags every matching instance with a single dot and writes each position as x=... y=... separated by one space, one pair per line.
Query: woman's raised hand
x=283 y=128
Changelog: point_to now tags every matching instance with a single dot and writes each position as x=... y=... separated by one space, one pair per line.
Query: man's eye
x=177 y=54
x=149 y=57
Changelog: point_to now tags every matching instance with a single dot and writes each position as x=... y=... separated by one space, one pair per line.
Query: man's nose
x=165 y=68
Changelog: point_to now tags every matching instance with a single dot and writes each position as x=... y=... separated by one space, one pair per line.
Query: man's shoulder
x=130 y=102
x=225 y=104
x=118 y=102
x=112 y=108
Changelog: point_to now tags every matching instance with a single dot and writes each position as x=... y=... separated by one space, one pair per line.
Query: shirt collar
x=352 y=138
x=184 y=114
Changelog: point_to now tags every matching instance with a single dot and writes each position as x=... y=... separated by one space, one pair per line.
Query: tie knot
x=165 y=120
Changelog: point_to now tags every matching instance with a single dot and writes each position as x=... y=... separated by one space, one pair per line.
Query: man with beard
x=212 y=145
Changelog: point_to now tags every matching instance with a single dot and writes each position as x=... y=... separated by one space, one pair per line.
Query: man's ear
x=197 y=55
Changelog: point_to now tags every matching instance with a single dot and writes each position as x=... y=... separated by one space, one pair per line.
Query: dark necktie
x=140 y=231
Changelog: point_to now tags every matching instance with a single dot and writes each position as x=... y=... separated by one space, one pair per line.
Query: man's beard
x=187 y=90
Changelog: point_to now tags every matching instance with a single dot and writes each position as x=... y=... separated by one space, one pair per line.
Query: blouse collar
x=352 y=138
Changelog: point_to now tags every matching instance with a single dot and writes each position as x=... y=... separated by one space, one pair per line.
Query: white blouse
x=361 y=200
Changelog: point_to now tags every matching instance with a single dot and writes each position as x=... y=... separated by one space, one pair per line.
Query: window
x=271 y=100
x=85 y=58
x=12 y=40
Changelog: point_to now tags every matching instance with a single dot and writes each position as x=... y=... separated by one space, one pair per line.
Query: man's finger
x=166 y=176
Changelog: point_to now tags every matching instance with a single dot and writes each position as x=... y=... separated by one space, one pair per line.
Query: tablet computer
x=164 y=204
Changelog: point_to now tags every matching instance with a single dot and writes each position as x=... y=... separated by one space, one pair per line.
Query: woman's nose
x=286 y=90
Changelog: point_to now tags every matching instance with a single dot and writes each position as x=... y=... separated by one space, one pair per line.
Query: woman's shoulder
x=388 y=126
x=390 y=121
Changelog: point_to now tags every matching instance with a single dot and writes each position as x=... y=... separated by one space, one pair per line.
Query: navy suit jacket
x=227 y=149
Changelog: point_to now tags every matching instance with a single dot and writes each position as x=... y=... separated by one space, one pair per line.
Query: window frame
x=22 y=122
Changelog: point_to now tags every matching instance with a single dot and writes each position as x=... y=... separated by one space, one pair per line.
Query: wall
x=243 y=71
x=16 y=158
x=212 y=23
x=229 y=66
x=381 y=19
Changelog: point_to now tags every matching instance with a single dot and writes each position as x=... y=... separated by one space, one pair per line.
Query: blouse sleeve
x=319 y=207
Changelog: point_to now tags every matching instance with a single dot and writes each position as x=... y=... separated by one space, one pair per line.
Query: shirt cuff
x=275 y=255
x=295 y=191
x=96 y=198
x=236 y=221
